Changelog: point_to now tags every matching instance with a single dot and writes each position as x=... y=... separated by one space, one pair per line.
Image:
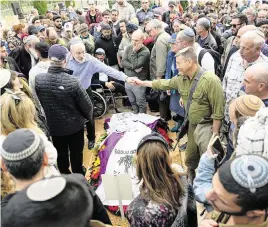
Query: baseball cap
x=100 y=51
x=157 y=13
x=173 y=38
x=106 y=27
x=57 y=51
x=40 y=27
x=32 y=30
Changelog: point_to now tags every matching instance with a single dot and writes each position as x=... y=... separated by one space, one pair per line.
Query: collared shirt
x=126 y=11
x=141 y=14
x=208 y=98
x=234 y=77
x=84 y=71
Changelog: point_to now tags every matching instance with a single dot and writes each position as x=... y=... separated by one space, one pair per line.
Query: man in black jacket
x=109 y=43
x=67 y=107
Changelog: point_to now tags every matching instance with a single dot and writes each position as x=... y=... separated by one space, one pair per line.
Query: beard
x=58 y=26
x=33 y=53
x=106 y=37
x=81 y=60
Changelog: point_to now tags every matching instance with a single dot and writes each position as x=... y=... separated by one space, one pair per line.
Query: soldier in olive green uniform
x=208 y=100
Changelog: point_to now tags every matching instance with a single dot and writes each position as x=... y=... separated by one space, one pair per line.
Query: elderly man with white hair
x=205 y=38
x=249 y=54
x=251 y=15
x=256 y=81
x=26 y=56
x=158 y=58
x=84 y=66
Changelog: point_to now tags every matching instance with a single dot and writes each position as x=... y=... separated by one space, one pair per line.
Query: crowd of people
x=204 y=66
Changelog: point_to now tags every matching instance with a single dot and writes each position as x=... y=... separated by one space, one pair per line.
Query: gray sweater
x=135 y=60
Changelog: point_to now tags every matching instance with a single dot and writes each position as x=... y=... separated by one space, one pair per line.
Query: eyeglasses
x=144 y=2
x=235 y=25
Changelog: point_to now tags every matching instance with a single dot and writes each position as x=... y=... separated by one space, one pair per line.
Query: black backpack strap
x=201 y=55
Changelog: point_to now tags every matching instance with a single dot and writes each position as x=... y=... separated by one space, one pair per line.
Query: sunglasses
x=235 y=25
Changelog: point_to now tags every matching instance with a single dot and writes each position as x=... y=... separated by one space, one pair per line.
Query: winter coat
x=66 y=104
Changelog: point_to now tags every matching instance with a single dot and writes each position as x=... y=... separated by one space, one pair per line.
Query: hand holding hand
x=132 y=80
x=138 y=82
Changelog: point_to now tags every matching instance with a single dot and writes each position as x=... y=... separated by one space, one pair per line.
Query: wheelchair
x=103 y=98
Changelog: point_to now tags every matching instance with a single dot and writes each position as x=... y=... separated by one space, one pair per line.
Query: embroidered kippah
x=250 y=171
x=20 y=144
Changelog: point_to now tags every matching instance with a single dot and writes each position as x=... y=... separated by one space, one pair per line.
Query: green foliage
x=184 y=4
x=69 y=3
x=4 y=4
x=41 y=6
x=111 y=2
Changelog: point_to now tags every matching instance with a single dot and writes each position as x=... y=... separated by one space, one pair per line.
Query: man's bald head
x=256 y=80
x=138 y=34
x=242 y=31
x=259 y=72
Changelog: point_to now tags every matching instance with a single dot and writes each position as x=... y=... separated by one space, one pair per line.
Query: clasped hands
x=134 y=81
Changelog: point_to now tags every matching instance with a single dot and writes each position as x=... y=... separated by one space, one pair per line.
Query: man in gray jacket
x=136 y=64
x=158 y=60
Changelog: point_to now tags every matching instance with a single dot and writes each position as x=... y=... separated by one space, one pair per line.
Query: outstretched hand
x=134 y=81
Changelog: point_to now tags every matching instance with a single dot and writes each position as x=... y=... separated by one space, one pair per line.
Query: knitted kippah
x=248 y=105
x=250 y=171
x=19 y=145
x=253 y=135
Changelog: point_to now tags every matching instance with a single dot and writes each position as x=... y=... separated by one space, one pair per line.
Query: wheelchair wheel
x=99 y=103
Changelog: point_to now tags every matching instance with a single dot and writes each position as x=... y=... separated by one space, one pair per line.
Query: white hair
x=74 y=42
x=255 y=36
x=157 y=24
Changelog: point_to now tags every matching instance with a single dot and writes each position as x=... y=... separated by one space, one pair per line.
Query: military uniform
x=208 y=101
